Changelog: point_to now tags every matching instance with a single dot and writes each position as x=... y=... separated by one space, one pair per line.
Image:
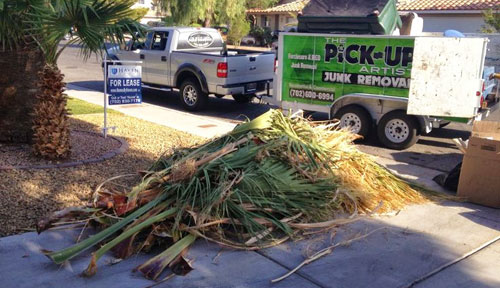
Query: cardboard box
x=480 y=174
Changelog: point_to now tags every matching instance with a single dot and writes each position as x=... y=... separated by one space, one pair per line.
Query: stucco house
x=439 y=15
x=277 y=17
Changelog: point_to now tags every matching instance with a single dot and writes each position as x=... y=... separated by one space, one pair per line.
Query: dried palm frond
x=258 y=186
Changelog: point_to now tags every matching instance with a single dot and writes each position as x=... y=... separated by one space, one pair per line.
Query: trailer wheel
x=398 y=130
x=243 y=98
x=192 y=98
x=356 y=118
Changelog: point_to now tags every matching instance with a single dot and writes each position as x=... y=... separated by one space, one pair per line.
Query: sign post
x=122 y=85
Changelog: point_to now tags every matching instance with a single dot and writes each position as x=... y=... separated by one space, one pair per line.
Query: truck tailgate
x=250 y=68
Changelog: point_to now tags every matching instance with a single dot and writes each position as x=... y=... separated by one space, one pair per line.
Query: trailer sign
x=124 y=84
x=320 y=69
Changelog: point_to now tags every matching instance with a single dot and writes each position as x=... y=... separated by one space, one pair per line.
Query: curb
x=108 y=155
x=178 y=113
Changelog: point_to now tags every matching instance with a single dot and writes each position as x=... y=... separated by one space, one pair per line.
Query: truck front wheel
x=356 y=119
x=192 y=97
x=398 y=130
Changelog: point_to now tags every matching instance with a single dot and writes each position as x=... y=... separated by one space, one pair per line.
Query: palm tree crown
x=40 y=25
x=94 y=22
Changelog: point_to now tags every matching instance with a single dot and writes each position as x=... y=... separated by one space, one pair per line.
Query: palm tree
x=19 y=62
x=46 y=23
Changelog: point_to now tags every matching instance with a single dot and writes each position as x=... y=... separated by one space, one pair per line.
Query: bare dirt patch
x=85 y=145
x=28 y=195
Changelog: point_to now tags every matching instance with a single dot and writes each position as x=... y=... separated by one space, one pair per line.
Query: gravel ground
x=28 y=195
x=84 y=145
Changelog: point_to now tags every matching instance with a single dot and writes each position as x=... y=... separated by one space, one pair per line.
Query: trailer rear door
x=447 y=76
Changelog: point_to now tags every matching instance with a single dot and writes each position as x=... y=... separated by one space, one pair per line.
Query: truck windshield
x=153 y=41
x=139 y=42
x=136 y=44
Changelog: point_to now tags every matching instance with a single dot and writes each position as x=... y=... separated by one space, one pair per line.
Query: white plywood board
x=446 y=75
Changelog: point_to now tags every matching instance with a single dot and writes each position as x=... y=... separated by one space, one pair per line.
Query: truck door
x=155 y=57
x=134 y=51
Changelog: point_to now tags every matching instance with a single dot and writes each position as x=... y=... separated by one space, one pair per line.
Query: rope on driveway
x=441 y=268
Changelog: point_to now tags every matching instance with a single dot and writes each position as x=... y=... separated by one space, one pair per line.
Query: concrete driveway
x=430 y=245
x=435 y=151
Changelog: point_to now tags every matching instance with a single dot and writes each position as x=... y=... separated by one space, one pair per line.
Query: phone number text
x=310 y=94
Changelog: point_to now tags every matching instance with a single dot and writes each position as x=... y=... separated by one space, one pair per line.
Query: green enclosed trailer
x=401 y=85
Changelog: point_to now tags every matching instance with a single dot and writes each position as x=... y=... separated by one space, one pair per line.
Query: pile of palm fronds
x=265 y=182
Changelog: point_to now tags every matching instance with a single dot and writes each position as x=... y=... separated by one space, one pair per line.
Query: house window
x=289 y=20
x=141 y=2
x=265 y=21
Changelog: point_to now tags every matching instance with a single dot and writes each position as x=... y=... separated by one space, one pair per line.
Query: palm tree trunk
x=51 y=137
x=207 y=21
x=18 y=88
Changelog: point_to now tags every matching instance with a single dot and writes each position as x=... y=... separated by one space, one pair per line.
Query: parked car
x=290 y=27
x=248 y=40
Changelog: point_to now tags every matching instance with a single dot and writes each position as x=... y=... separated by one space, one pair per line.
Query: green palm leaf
x=13 y=28
x=94 y=22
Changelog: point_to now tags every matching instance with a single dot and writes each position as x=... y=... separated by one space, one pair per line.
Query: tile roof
x=403 y=5
x=419 y=5
x=295 y=6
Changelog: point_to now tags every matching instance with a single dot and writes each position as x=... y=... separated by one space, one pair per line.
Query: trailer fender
x=376 y=105
x=379 y=105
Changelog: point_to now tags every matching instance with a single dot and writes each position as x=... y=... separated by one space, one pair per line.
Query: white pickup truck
x=196 y=61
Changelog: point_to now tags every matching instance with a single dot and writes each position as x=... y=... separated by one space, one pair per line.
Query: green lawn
x=80 y=107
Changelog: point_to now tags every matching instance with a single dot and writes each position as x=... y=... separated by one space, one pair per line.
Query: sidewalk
x=408 y=245
x=183 y=121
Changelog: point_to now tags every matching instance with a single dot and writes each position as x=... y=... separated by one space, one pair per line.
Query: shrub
x=263 y=36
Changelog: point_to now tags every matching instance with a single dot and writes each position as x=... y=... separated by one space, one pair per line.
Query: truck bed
x=230 y=52
x=243 y=66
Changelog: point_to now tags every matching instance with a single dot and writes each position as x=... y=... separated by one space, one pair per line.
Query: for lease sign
x=319 y=69
x=124 y=84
